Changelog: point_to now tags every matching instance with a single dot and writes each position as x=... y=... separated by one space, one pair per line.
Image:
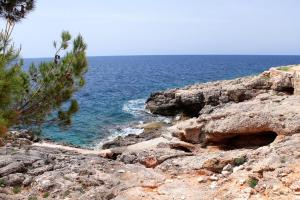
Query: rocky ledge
x=239 y=139
x=203 y=98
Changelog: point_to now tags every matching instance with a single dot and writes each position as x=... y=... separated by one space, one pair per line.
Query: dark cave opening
x=289 y=90
x=246 y=141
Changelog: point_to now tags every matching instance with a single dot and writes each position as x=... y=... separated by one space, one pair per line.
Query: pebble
x=168 y=181
x=228 y=167
x=202 y=179
x=213 y=178
x=226 y=173
x=213 y=185
x=282 y=175
x=242 y=181
x=235 y=169
x=219 y=176
x=121 y=171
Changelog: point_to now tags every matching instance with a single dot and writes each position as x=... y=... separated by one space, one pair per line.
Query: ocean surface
x=112 y=101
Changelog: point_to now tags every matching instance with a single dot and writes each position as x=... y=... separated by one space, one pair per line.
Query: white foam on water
x=129 y=130
x=136 y=107
x=119 y=132
x=166 y=120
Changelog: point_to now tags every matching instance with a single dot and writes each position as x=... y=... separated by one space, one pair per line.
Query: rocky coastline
x=233 y=139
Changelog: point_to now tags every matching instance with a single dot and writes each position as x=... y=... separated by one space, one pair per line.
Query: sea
x=112 y=103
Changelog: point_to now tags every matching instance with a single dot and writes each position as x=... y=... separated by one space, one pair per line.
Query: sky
x=164 y=27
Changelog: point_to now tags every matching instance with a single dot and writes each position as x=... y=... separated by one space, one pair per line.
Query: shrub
x=2 y=183
x=16 y=189
x=32 y=198
x=46 y=195
x=239 y=161
x=252 y=182
x=283 y=68
x=283 y=159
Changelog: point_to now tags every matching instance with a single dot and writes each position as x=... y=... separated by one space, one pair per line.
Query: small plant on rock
x=46 y=195
x=66 y=193
x=239 y=161
x=2 y=183
x=252 y=182
x=16 y=189
x=32 y=198
x=284 y=69
x=283 y=159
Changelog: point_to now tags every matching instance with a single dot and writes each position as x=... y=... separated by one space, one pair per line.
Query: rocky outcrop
x=268 y=113
x=242 y=143
x=202 y=98
x=152 y=171
x=264 y=114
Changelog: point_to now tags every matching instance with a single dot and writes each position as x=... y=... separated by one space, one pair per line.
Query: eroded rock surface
x=262 y=115
x=202 y=98
x=270 y=172
x=243 y=143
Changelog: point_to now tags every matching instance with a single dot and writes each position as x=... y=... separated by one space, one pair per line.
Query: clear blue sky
x=156 y=27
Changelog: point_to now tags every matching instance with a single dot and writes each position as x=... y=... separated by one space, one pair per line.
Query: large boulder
x=171 y=103
x=265 y=114
x=12 y=168
x=282 y=80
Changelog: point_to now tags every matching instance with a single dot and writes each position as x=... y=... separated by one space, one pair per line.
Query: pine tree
x=41 y=95
x=52 y=84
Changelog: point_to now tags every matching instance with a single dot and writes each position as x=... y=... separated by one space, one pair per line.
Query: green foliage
x=16 y=189
x=15 y=10
x=284 y=68
x=240 y=160
x=252 y=182
x=44 y=94
x=2 y=183
x=66 y=193
x=46 y=195
x=54 y=83
x=32 y=198
x=283 y=159
x=13 y=81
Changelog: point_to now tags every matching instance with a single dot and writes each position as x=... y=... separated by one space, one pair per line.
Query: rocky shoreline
x=233 y=139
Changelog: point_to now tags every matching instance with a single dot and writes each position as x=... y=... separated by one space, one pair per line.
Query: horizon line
x=141 y=55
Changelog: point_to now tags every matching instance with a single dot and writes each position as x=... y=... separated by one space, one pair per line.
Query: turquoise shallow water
x=117 y=87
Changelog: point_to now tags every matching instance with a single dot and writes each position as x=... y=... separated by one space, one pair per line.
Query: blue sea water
x=117 y=87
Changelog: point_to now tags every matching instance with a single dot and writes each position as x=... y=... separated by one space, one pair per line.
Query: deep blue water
x=116 y=88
